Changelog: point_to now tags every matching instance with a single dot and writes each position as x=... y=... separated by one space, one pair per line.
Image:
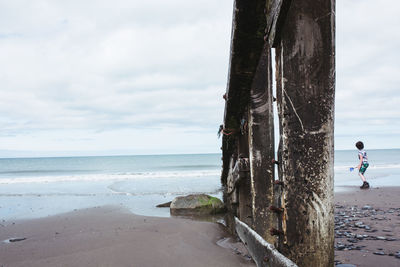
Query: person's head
x=360 y=145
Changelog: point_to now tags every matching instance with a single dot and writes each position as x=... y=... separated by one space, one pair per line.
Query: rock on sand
x=199 y=204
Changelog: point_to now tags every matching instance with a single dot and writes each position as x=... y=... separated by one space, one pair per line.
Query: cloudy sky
x=142 y=77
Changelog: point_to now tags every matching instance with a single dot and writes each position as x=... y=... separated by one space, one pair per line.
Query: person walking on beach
x=363 y=164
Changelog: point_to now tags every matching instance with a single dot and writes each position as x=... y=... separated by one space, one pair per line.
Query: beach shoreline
x=366 y=222
x=112 y=236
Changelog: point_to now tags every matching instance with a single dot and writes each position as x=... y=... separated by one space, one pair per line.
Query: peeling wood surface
x=261 y=144
x=245 y=211
x=240 y=171
x=306 y=83
x=246 y=46
x=276 y=16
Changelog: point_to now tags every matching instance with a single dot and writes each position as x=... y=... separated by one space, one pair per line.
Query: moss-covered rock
x=199 y=204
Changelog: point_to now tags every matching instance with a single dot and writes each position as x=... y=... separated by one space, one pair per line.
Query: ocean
x=39 y=187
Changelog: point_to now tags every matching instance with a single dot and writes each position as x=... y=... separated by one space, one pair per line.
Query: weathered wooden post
x=301 y=207
x=305 y=58
x=261 y=146
x=246 y=47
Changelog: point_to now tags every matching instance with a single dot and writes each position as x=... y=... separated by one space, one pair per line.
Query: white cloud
x=367 y=94
x=143 y=76
x=98 y=69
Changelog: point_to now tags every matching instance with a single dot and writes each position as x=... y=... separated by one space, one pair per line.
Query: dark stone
x=381 y=253
x=340 y=247
x=359 y=225
x=164 y=205
x=16 y=239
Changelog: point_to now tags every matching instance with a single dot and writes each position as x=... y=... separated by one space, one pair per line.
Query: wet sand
x=367 y=227
x=110 y=236
x=367 y=224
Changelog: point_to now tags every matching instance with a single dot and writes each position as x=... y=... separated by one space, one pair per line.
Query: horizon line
x=123 y=155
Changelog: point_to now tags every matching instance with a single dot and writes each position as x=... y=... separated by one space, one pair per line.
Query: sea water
x=383 y=170
x=38 y=187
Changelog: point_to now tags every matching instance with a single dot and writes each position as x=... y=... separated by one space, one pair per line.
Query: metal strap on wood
x=262 y=252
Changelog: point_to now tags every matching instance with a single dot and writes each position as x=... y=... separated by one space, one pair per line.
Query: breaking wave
x=110 y=177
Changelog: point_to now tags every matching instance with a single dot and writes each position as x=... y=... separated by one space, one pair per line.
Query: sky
x=147 y=77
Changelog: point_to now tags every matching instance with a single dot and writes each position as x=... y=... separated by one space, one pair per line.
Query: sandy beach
x=109 y=236
x=367 y=224
x=367 y=227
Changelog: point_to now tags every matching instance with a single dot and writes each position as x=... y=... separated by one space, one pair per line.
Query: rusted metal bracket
x=276 y=209
x=277 y=232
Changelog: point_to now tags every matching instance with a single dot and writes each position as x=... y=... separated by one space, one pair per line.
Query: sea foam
x=109 y=177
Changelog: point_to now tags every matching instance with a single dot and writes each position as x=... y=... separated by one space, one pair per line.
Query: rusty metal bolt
x=274 y=231
x=275 y=162
x=277 y=182
x=224 y=96
x=276 y=209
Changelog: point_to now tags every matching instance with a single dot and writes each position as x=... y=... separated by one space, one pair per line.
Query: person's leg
x=361 y=173
x=362 y=177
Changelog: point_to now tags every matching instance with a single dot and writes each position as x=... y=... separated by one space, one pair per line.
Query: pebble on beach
x=354 y=226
